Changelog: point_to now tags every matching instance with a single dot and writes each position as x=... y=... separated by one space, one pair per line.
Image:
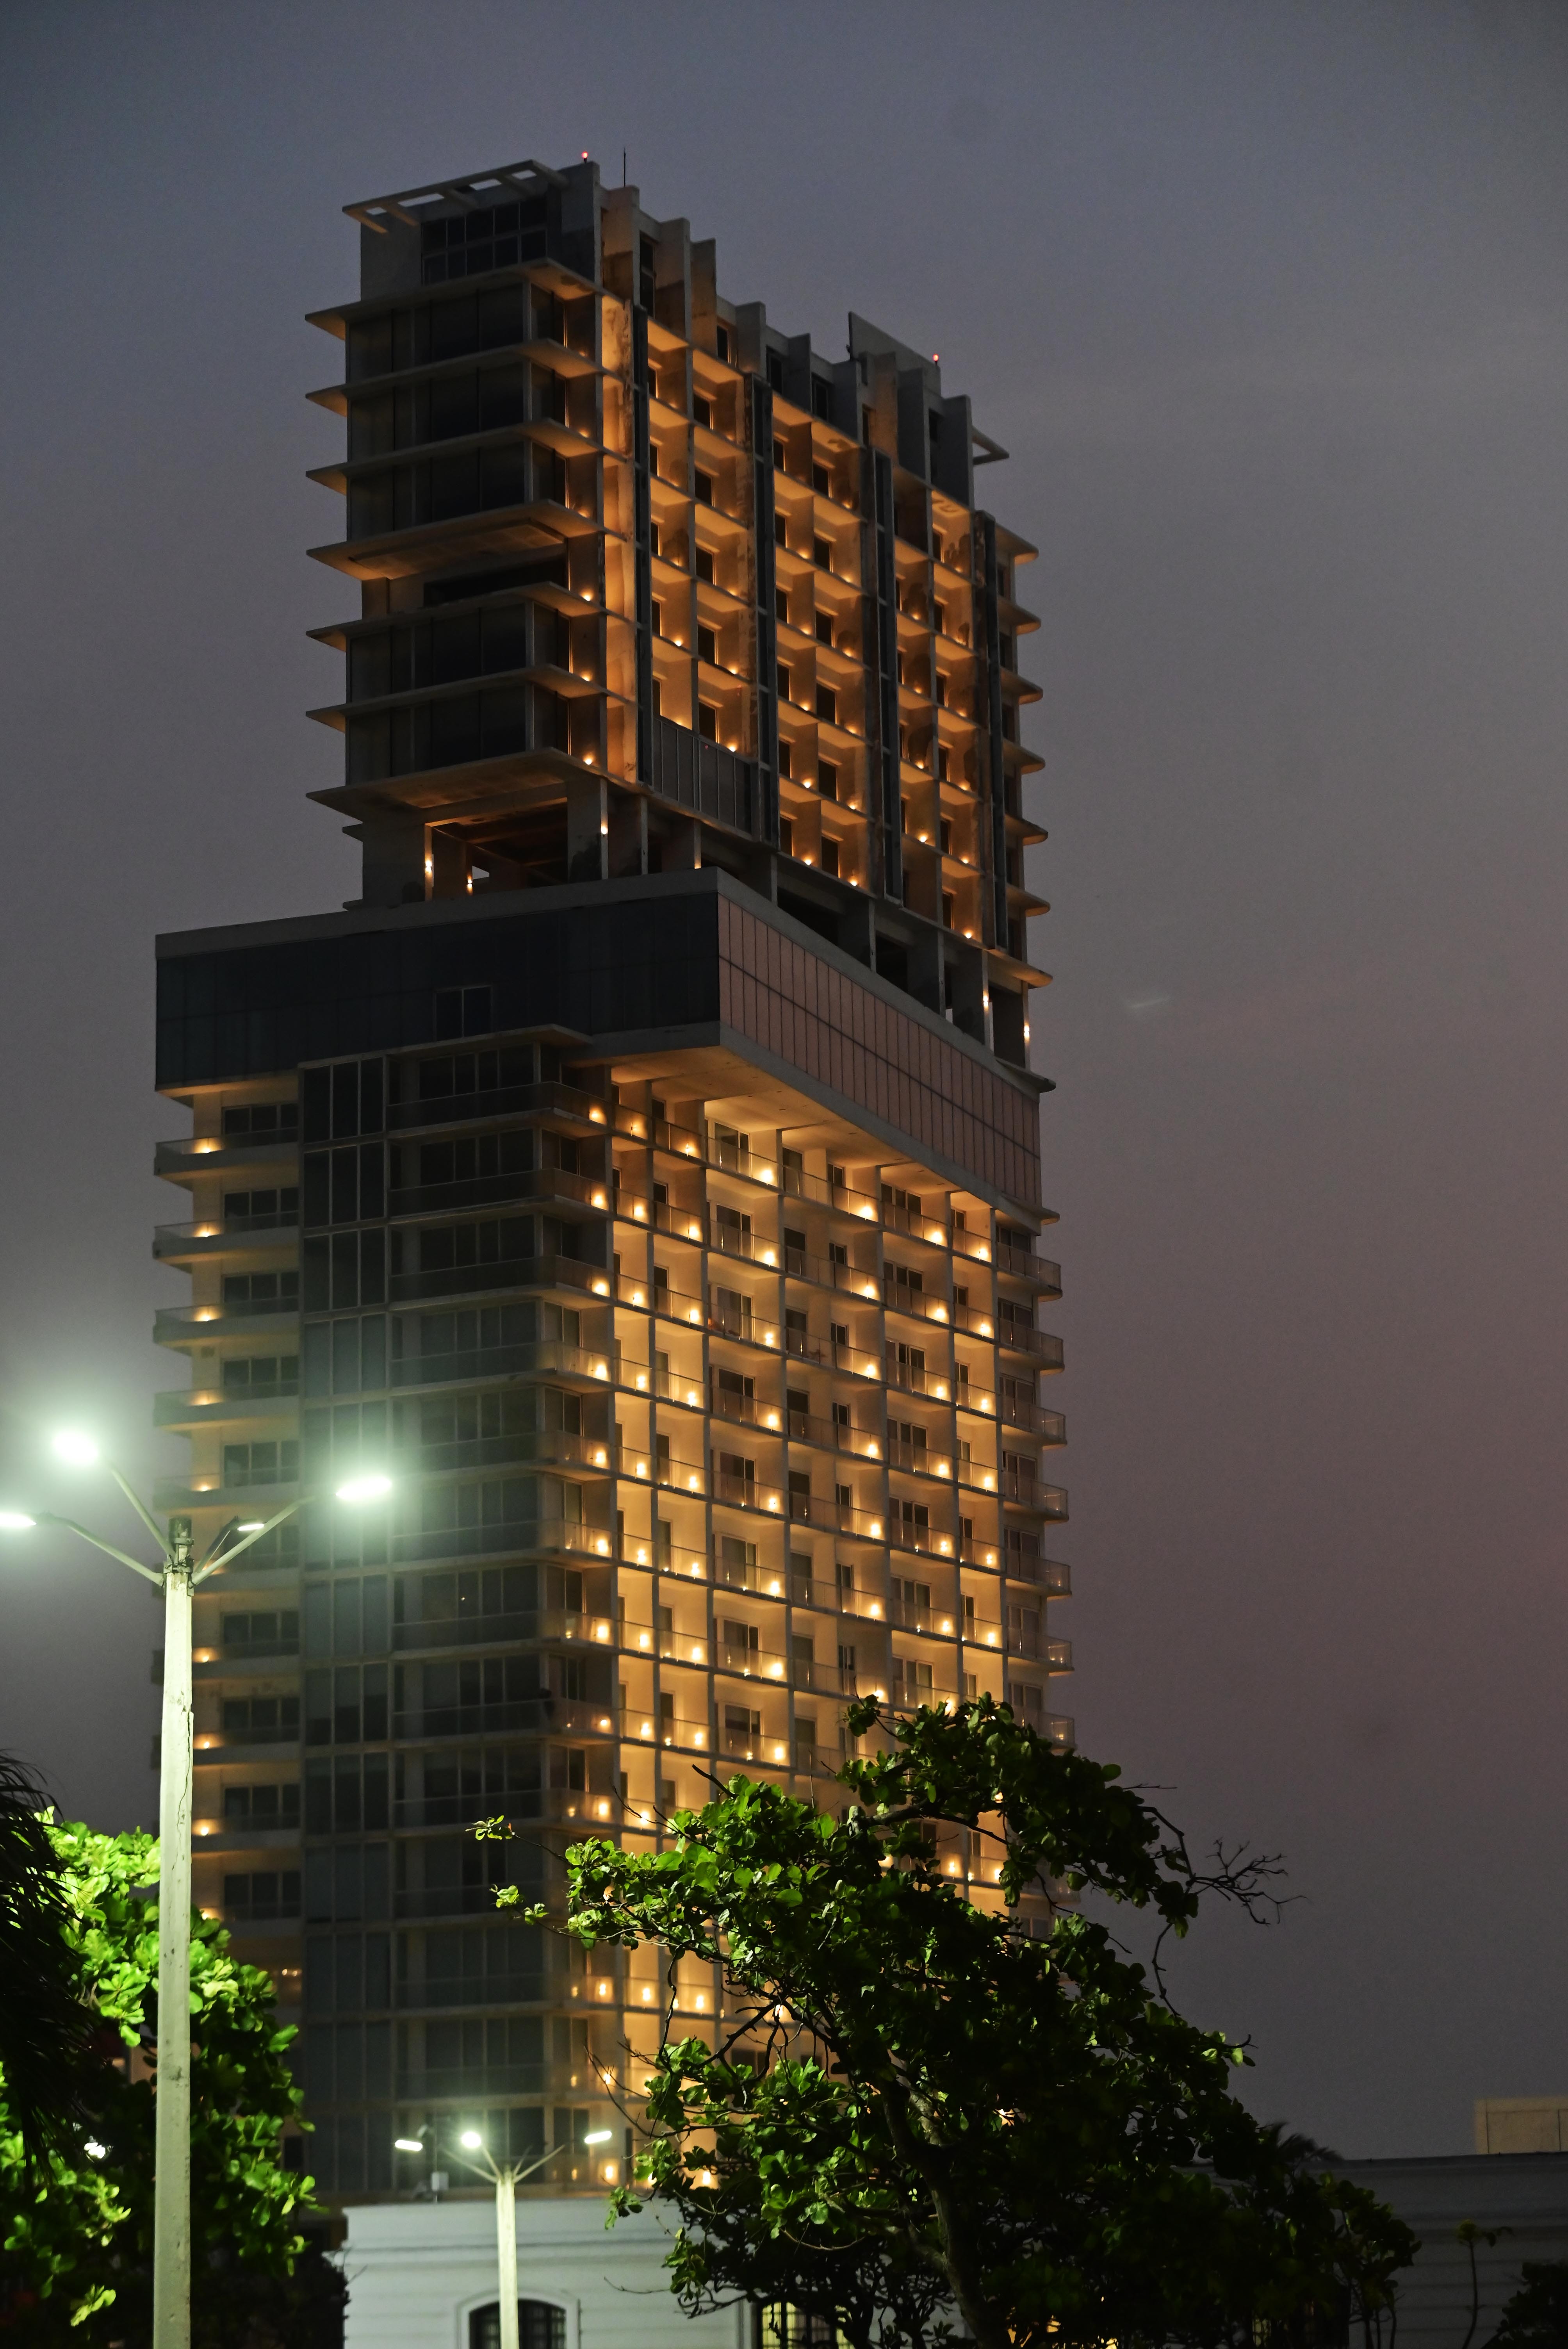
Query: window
x=823 y=554
x=781 y=606
x=258 y=1210
x=260 y=1463
x=701 y=410
x=786 y=829
x=721 y=343
x=702 y=563
x=822 y=480
x=821 y=399
x=775 y=370
x=658 y=620
x=260 y=1720
x=653 y=538
x=647 y=255
x=703 y=487
x=824 y=627
x=275 y=1120
x=944 y=835
x=742 y=1730
x=260 y=1808
x=827 y=779
x=706 y=646
x=275 y=1633
x=464 y=1011
x=827 y=705
x=780 y=539
x=949 y=910
x=275 y=1893
x=732 y=1312
x=866 y=426
x=784 y=759
x=540 y=2324
x=270 y=1292
x=779 y=464
x=829 y=854
x=261 y=1374
x=707 y=722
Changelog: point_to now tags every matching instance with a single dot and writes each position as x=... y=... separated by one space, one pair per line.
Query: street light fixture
x=178 y=1573
x=506 y=2176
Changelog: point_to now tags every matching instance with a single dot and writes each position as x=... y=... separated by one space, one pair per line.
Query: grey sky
x=1267 y=301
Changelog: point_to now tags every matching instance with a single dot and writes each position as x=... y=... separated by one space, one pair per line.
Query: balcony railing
x=511 y=1272
x=825 y=1272
x=177 y=1405
x=506 y=1101
x=745 y=1493
x=1048 y=1573
x=176 y=1323
x=529 y=1448
x=920 y=1459
x=505 y=1630
x=914 y=1615
x=916 y=1379
x=1022 y=1338
x=574 y=1716
x=498 y=1361
x=214 y=1234
x=832 y=1435
x=472 y=2079
x=1023 y=1264
x=477 y=1990
x=539 y=1186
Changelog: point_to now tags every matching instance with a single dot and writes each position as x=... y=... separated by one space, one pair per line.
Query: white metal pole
x=506 y=2252
x=171 y=2101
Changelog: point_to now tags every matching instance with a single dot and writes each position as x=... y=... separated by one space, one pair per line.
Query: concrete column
x=587 y=827
x=682 y=851
x=966 y=991
x=628 y=833
x=446 y=858
x=858 y=932
x=393 y=863
x=925 y=962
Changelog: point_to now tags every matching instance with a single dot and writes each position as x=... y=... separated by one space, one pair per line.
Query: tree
x=919 y=2109
x=43 y=2032
x=75 y=2233
x=1536 y=2314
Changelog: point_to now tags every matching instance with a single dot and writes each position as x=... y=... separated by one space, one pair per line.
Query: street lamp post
x=178 y=1574
x=506 y=2176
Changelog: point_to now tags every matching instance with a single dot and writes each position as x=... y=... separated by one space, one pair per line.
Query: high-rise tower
x=644 y=1169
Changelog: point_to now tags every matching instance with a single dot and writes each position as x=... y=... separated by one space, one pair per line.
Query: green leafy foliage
x=76 y=2233
x=920 y=2111
x=1536 y=2316
x=43 y=2026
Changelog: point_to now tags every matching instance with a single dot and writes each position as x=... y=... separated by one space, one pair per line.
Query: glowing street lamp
x=176 y=1574
x=506 y=2176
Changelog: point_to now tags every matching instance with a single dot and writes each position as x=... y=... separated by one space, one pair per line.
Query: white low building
x=422 y=2275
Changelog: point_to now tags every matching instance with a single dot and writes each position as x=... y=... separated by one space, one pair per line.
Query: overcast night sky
x=1268 y=305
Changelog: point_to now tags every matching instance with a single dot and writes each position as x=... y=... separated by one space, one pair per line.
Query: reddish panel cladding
x=822 y=1022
